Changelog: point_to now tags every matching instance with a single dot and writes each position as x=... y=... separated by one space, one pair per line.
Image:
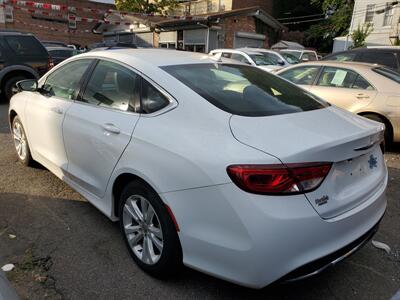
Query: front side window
x=301 y=75
x=64 y=82
x=111 y=85
x=342 y=78
x=244 y=90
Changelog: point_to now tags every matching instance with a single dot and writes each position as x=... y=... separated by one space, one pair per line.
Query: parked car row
x=23 y=56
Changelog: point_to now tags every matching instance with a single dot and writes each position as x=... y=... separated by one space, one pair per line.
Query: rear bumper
x=254 y=240
x=315 y=267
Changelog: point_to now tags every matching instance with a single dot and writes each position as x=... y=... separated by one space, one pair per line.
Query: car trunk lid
x=350 y=142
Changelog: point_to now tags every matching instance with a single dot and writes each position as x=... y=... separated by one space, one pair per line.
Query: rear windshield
x=25 y=45
x=290 y=58
x=244 y=90
x=62 y=53
x=296 y=54
x=393 y=75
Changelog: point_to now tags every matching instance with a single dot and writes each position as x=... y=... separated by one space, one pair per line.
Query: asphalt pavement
x=64 y=248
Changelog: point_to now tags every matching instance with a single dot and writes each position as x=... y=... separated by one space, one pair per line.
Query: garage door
x=247 y=39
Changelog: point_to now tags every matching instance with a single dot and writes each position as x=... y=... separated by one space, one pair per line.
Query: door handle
x=362 y=96
x=57 y=110
x=111 y=128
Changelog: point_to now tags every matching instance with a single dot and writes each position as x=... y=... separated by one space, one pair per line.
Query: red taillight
x=279 y=179
x=50 y=63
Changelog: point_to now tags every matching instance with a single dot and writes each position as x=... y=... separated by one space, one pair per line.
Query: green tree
x=360 y=34
x=146 y=6
x=337 y=23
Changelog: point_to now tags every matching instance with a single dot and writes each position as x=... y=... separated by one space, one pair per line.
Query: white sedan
x=221 y=167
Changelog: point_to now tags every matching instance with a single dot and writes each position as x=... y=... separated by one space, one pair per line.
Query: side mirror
x=29 y=85
x=281 y=62
x=305 y=59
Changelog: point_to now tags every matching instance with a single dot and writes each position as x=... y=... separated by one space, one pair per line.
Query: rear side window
x=244 y=90
x=395 y=76
x=152 y=99
x=380 y=58
x=342 y=78
x=25 y=45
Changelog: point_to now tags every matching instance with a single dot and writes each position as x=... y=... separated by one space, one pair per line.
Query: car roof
x=59 y=48
x=380 y=49
x=344 y=64
x=15 y=33
x=153 y=56
x=239 y=50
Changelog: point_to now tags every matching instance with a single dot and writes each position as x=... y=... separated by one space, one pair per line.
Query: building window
x=388 y=17
x=369 y=15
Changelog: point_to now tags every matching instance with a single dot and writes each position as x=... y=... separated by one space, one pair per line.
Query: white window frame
x=369 y=14
x=388 y=15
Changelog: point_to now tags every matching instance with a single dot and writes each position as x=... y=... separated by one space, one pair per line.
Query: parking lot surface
x=64 y=248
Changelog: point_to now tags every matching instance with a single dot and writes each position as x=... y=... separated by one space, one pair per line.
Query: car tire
x=388 y=130
x=21 y=142
x=10 y=85
x=158 y=263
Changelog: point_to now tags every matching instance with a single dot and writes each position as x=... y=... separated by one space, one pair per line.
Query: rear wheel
x=148 y=230
x=21 y=142
x=388 y=130
x=10 y=87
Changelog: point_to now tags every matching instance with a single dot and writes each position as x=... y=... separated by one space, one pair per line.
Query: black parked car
x=22 y=56
x=58 y=54
x=389 y=56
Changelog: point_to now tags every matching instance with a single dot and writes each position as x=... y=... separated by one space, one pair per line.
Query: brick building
x=196 y=7
x=252 y=27
x=54 y=25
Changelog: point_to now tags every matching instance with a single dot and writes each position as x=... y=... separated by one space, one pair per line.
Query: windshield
x=393 y=75
x=262 y=60
x=296 y=54
x=290 y=58
x=244 y=90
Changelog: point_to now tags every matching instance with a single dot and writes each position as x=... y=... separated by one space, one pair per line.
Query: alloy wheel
x=143 y=229
x=20 y=142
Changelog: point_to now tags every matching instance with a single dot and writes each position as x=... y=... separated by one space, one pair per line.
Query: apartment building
x=384 y=17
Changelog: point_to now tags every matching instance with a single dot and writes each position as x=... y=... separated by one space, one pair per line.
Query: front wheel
x=21 y=142
x=148 y=230
x=10 y=86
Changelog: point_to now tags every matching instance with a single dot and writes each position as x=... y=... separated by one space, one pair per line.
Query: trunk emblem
x=321 y=201
x=373 y=162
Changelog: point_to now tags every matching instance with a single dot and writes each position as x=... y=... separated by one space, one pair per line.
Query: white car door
x=46 y=110
x=98 y=127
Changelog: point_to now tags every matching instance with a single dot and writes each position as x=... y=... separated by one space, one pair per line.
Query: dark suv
x=389 y=57
x=22 y=56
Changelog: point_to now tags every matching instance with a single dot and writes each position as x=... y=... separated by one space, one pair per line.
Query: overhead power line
x=300 y=17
